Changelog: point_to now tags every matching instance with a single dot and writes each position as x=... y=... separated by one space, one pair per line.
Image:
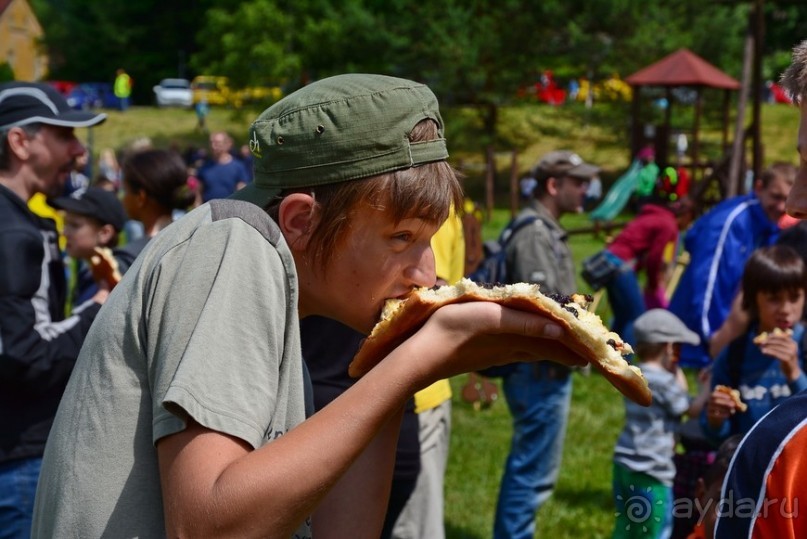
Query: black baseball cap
x=94 y=202
x=25 y=103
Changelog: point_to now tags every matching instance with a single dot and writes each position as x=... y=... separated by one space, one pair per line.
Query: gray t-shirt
x=647 y=442
x=204 y=324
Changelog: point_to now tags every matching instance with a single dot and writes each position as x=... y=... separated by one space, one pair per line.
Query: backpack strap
x=514 y=226
x=734 y=359
x=803 y=345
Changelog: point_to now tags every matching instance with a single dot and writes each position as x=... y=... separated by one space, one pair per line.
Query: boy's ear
x=105 y=235
x=296 y=219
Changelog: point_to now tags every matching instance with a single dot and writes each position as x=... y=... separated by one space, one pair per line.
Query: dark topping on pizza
x=561 y=298
x=612 y=344
x=572 y=310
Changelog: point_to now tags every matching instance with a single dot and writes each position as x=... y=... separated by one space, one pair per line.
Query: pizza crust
x=762 y=337
x=735 y=396
x=588 y=336
x=104 y=267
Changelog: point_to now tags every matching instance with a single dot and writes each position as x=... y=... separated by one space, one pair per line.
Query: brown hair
x=426 y=192
x=772 y=269
x=648 y=350
x=783 y=171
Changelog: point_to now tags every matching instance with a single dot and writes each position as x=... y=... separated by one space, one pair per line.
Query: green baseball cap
x=338 y=129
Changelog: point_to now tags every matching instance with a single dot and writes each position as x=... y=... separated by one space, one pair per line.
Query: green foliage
x=251 y=44
x=88 y=40
x=6 y=72
x=474 y=53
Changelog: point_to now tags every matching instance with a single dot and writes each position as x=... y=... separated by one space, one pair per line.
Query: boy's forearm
x=214 y=484
x=356 y=506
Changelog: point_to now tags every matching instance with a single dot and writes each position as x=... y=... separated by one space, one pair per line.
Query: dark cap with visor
x=562 y=163
x=26 y=103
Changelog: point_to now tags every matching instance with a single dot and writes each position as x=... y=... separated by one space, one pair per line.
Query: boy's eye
x=403 y=236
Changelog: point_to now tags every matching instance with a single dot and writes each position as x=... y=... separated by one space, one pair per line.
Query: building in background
x=20 y=33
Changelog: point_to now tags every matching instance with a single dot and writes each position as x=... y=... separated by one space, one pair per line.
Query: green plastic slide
x=618 y=195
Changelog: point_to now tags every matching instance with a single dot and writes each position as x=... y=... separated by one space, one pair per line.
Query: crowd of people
x=205 y=392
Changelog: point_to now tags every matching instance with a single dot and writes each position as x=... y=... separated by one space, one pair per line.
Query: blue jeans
x=627 y=302
x=17 y=490
x=539 y=404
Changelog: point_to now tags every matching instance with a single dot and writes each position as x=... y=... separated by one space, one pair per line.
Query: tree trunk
x=734 y=180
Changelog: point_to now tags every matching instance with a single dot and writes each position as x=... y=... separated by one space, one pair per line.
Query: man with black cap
x=538 y=394
x=38 y=346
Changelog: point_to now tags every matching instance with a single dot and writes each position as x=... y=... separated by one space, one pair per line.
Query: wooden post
x=515 y=192
x=489 y=179
x=635 y=142
x=696 y=129
x=663 y=134
x=726 y=118
x=734 y=179
x=756 y=85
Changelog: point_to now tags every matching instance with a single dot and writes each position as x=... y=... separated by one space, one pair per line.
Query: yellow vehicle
x=213 y=90
x=216 y=91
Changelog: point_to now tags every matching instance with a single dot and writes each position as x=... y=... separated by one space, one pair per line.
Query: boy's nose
x=797 y=199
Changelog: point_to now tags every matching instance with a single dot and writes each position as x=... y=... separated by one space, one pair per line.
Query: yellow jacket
x=448 y=245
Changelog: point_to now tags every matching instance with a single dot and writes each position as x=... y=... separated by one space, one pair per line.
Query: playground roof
x=682 y=68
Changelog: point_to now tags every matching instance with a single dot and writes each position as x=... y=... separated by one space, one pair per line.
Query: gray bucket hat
x=662 y=326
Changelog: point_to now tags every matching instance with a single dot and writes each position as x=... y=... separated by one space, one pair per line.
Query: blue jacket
x=719 y=245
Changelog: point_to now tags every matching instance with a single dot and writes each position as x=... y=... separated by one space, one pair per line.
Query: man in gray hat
x=538 y=394
x=643 y=457
x=38 y=346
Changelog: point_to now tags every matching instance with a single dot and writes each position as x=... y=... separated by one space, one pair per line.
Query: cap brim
x=69 y=204
x=690 y=337
x=260 y=196
x=77 y=118
x=73 y=118
x=584 y=171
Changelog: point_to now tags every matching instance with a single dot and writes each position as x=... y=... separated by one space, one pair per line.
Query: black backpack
x=493 y=268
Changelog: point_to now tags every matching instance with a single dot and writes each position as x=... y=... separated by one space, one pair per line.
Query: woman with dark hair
x=155 y=185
